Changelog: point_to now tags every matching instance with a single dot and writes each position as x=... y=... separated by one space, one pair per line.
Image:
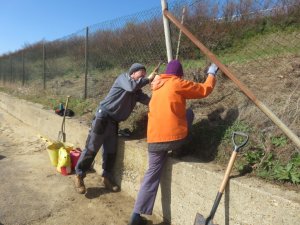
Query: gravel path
x=32 y=192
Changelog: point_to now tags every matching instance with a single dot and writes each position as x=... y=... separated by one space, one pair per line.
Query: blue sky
x=29 y=21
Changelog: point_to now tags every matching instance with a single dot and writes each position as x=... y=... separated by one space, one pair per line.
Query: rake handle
x=157 y=67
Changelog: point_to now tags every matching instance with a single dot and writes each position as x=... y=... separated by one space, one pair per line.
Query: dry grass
x=274 y=81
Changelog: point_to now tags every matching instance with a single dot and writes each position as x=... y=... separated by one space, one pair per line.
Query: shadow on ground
x=95 y=192
x=209 y=133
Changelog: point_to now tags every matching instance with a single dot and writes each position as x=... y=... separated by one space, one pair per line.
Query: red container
x=74 y=154
x=65 y=170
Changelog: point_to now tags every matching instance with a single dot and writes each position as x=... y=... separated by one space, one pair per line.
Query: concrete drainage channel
x=187 y=187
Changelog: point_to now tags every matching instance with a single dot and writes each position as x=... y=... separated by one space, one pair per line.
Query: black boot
x=110 y=184
x=137 y=219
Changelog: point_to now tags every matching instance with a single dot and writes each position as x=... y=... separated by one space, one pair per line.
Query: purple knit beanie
x=174 y=67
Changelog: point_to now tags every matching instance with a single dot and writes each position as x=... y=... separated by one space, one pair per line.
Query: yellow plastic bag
x=64 y=160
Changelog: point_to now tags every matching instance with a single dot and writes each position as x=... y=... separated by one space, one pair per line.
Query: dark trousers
x=104 y=131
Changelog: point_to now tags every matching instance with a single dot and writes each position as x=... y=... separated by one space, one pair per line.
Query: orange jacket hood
x=159 y=81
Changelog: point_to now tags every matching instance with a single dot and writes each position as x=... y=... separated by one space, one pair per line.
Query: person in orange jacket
x=168 y=125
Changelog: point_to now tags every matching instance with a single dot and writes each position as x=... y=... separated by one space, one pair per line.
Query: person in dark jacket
x=116 y=107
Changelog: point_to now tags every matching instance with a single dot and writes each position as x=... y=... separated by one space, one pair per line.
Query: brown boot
x=79 y=184
x=110 y=185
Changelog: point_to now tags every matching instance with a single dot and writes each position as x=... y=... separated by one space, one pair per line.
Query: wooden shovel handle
x=64 y=118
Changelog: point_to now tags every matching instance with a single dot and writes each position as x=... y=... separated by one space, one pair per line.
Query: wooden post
x=180 y=32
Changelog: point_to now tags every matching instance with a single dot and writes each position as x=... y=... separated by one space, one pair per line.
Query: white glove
x=213 y=69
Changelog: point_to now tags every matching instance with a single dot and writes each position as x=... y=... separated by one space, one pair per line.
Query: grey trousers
x=103 y=132
x=147 y=194
x=157 y=156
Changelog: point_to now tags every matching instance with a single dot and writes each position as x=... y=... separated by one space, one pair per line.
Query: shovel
x=241 y=139
x=62 y=134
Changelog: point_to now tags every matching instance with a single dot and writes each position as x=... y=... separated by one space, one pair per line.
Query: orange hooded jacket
x=167 y=107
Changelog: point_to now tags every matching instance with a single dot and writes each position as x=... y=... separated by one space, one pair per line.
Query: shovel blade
x=61 y=136
x=200 y=220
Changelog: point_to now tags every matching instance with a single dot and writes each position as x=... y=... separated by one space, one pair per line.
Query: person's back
x=167 y=108
x=123 y=96
x=169 y=123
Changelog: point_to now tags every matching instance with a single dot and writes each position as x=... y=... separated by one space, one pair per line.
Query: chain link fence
x=258 y=40
x=219 y=25
x=98 y=52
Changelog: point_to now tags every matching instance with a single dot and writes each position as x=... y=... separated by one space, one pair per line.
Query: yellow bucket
x=53 y=149
x=53 y=152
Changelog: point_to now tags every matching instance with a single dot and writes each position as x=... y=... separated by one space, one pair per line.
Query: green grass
x=280 y=141
x=211 y=141
x=271 y=168
x=236 y=126
x=261 y=47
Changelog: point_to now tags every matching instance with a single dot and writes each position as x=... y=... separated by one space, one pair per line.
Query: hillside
x=262 y=51
x=224 y=111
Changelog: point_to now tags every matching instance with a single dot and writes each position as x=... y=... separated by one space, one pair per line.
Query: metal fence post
x=86 y=61
x=167 y=31
x=44 y=66
x=23 y=69
x=1 y=75
x=11 y=68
